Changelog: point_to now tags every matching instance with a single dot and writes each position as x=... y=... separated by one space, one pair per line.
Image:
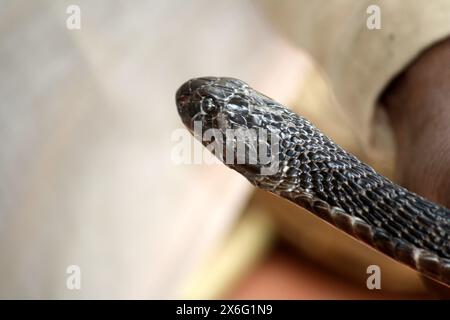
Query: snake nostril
x=183 y=101
x=183 y=92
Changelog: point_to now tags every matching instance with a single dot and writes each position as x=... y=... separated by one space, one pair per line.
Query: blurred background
x=87 y=175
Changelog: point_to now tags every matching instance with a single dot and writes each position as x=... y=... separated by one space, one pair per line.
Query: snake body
x=317 y=174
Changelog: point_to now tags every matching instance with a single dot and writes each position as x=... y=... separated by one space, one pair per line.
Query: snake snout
x=190 y=100
x=185 y=102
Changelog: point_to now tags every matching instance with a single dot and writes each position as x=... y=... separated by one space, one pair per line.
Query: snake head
x=207 y=101
x=243 y=122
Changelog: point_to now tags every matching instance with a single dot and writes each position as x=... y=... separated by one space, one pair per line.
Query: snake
x=307 y=168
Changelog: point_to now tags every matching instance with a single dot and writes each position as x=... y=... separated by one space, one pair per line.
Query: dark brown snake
x=316 y=174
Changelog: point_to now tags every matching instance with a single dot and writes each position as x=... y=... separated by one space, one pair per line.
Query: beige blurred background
x=87 y=124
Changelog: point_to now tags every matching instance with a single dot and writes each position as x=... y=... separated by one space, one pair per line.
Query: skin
x=418 y=105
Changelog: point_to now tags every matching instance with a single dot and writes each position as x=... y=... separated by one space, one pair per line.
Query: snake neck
x=314 y=170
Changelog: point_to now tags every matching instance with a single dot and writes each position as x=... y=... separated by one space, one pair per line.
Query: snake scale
x=317 y=174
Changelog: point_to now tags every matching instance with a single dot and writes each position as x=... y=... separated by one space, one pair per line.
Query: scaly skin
x=315 y=173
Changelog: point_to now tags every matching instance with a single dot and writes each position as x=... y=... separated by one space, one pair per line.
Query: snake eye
x=208 y=106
